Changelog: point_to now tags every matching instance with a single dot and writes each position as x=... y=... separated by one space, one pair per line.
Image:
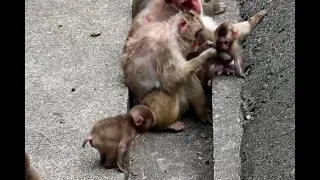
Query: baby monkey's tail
x=89 y=138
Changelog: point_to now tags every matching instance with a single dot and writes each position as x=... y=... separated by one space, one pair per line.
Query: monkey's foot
x=102 y=161
x=177 y=126
x=230 y=71
x=108 y=165
x=257 y=18
x=243 y=75
x=133 y=173
x=123 y=170
x=218 y=7
x=207 y=119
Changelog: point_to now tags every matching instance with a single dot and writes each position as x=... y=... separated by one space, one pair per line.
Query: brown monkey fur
x=157 y=73
x=162 y=10
x=31 y=173
x=229 y=58
x=226 y=42
x=113 y=136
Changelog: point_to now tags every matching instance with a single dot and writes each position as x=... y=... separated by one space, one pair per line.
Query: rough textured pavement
x=174 y=156
x=71 y=81
x=268 y=146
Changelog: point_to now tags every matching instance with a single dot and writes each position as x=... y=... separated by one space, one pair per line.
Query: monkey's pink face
x=187 y=5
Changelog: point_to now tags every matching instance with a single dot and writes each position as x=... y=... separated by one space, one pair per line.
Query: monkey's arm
x=193 y=64
x=200 y=49
x=244 y=27
x=123 y=150
x=236 y=55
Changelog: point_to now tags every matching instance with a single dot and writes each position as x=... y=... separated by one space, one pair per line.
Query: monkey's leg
x=197 y=98
x=32 y=174
x=111 y=151
x=245 y=27
x=122 y=155
x=166 y=109
x=102 y=157
x=214 y=8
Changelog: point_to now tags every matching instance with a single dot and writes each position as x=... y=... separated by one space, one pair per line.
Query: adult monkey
x=163 y=10
x=157 y=73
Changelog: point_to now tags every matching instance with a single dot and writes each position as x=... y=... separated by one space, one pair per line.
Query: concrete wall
x=268 y=147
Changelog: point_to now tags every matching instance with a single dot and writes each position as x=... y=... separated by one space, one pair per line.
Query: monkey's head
x=143 y=118
x=186 y=5
x=225 y=35
x=189 y=26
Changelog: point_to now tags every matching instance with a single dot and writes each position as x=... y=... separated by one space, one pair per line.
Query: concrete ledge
x=72 y=80
x=227 y=117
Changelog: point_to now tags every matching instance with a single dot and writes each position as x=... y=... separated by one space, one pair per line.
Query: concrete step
x=185 y=155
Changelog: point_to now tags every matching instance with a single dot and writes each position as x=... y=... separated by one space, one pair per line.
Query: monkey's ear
x=138 y=121
x=236 y=32
x=182 y=24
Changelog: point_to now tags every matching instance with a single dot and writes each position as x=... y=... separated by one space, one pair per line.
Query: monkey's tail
x=89 y=138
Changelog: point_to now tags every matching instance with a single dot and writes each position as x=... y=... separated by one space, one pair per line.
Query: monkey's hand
x=206 y=45
x=209 y=44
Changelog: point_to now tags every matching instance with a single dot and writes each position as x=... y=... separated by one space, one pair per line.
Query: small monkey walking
x=31 y=173
x=112 y=136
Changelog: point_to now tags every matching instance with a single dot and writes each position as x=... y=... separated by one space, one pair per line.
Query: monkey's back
x=108 y=130
x=143 y=53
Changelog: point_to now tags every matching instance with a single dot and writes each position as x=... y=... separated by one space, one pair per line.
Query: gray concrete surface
x=268 y=146
x=227 y=117
x=185 y=155
x=60 y=56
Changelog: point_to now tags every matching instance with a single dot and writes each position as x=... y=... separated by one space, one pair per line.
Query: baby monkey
x=229 y=59
x=30 y=172
x=226 y=42
x=112 y=136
